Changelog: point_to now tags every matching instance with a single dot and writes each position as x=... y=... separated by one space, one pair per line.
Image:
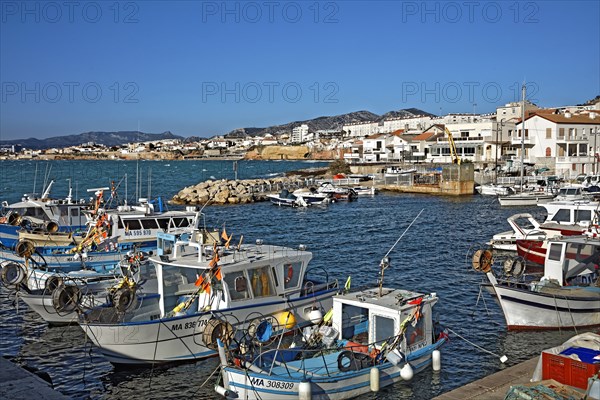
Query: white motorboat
x=563 y=218
x=492 y=189
x=206 y=289
x=530 y=198
x=566 y=296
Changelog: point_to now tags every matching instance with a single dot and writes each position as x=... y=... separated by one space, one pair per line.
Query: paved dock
x=495 y=386
x=18 y=383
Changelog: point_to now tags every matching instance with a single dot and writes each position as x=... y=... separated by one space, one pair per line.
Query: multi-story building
x=566 y=143
x=299 y=134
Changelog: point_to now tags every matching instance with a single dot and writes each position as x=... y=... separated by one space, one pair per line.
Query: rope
x=503 y=358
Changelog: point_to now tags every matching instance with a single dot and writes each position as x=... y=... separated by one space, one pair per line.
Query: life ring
x=12 y=274
x=351 y=361
x=124 y=298
x=25 y=248
x=482 y=260
x=66 y=298
x=52 y=283
x=217 y=329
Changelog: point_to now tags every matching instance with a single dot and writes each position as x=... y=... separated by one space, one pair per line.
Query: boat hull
x=332 y=384
x=525 y=200
x=565 y=307
x=179 y=338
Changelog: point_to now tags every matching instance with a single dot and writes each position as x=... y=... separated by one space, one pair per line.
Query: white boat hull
x=565 y=307
x=179 y=338
x=42 y=305
x=525 y=199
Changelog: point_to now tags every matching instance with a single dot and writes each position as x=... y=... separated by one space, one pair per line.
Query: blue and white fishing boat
x=44 y=213
x=110 y=235
x=375 y=338
x=205 y=289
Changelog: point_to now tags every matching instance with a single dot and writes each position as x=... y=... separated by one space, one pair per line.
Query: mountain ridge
x=117 y=138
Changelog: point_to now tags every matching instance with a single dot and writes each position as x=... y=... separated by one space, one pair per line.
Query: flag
x=200 y=280
x=214 y=262
x=218 y=274
x=416 y=301
x=224 y=234
x=348 y=283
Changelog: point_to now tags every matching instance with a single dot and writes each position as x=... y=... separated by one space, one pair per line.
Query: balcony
x=572 y=138
x=580 y=159
x=517 y=140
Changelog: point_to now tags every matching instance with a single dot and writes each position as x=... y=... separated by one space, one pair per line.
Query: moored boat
x=377 y=337
x=566 y=296
x=205 y=289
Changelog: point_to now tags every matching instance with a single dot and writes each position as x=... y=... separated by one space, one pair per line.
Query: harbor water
x=347 y=239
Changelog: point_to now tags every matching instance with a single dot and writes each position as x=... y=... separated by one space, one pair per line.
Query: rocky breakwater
x=235 y=192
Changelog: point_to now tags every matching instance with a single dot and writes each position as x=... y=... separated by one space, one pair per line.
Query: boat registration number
x=271 y=384
x=138 y=232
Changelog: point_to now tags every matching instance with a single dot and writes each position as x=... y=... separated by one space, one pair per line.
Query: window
x=548 y=134
x=74 y=211
x=163 y=223
x=149 y=224
x=415 y=334
x=555 y=252
x=562 y=215
x=548 y=152
x=237 y=285
x=561 y=133
x=291 y=274
x=132 y=224
x=261 y=282
x=384 y=328
x=583 y=215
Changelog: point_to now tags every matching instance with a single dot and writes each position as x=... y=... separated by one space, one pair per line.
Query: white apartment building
x=361 y=129
x=565 y=142
x=419 y=123
x=299 y=134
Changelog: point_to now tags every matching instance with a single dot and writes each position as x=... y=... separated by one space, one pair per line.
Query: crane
x=453 y=152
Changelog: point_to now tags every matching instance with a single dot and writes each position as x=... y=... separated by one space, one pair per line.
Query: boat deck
x=495 y=386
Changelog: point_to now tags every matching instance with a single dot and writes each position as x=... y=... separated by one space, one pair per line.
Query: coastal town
x=562 y=139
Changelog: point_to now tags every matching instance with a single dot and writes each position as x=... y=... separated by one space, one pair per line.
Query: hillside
x=105 y=138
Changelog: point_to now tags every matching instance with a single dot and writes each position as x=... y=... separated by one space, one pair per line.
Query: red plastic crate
x=566 y=370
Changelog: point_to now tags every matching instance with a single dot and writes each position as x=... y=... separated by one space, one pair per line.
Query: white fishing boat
x=566 y=296
x=312 y=197
x=67 y=295
x=377 y=337
x=204 y=290
x=337 y=193
x=365 y=190
x=43 y=213
x=286 y=199
x=110 y=235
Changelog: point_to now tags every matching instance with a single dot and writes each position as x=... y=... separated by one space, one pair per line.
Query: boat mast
x=522 y=136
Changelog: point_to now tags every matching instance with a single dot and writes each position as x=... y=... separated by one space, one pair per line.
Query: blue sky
x=205 y=68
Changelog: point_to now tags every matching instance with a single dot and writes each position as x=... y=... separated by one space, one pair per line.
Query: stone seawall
x=235 y=192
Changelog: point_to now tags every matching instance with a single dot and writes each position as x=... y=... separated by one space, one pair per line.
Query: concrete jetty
x=18 y=383
x=495 y=386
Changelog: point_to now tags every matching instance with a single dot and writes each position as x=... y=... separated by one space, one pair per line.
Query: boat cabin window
x=261 y=282
x=149 y=224
x=180 y=222
x=562 y=215
x=237 y=285
x=74 y=211
x=384 y=328
x=165 y=246
x=415 y=334
x=555 y=251
x=163 y=223
x=354 y=320
x=583 y=215
x=291 y=273
x=582 y=252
